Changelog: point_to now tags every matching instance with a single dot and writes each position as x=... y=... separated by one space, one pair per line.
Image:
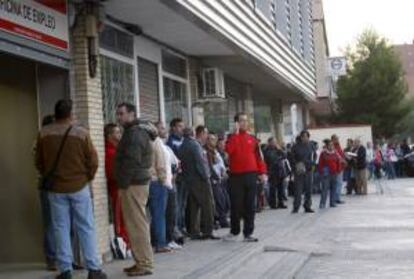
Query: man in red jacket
x=246 y=166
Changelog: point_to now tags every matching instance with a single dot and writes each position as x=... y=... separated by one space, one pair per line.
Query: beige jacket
x=159 y=162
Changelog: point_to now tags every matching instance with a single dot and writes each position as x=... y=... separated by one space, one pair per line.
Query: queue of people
x=165 y=187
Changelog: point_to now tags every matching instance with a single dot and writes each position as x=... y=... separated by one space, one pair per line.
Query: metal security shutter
x=148 y=90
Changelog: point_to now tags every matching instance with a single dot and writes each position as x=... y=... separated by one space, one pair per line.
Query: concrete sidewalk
x=365 y=238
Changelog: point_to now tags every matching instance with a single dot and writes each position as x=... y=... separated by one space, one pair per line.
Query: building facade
x=406 y=54
x=324 y=82
x=203 y=62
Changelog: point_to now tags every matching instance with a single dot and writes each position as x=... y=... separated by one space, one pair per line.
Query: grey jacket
x=134 y=155
x=193 y=160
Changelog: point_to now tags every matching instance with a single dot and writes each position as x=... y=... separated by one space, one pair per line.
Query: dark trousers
x=276 y=191
x=200 y=204
x=303 y=185
x=49 y=245
x=182 y=199
x=222 y=201
x=243 y=191
x=171 y=215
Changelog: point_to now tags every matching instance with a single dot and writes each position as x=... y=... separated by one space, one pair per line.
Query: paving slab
x=368 y=237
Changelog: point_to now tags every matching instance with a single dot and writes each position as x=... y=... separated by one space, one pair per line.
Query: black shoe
x=295 y=211
x=51 y=266
x=282 y=206
x=65 y=275
x=224 y=225
x=210 y=237
x=180 y=241
x=332 y=205
x=97 y=274
x=196 y=237
x=309 y=210
x=340 y=202
x=250 y=239
x=76 y=266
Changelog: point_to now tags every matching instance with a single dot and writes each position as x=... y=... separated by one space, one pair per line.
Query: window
x=117 y=41
x=117 y=86
x=273 y=14
x=174 y=64
x=175 y=100
x=212 y=83
x=216 y=116
x=262 y=119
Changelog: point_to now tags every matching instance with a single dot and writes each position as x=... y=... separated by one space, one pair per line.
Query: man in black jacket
x=361 y=169
x=132 y=173
x=303 y=159
x=196 y=174
x=275 y=160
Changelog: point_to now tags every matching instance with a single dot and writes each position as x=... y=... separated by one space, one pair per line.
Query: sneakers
x=250 y=239
x=97 y=274
x=65 y=275
x=174 y=246
x=230 y=237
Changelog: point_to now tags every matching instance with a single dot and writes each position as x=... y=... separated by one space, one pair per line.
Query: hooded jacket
x=134 y=156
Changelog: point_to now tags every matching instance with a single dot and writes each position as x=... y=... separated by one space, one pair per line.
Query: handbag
x=48 y=180
x=300 y=168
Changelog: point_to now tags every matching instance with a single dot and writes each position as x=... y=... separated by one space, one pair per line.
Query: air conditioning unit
x=212 y=84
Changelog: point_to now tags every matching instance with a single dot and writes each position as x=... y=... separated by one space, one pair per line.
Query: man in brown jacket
x=70 y=193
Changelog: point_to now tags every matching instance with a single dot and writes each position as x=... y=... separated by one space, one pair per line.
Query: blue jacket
x=174 y=142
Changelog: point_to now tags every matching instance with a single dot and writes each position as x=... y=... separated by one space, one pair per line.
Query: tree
x=373 y=91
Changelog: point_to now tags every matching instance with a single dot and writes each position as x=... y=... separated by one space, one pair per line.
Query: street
x=368 y=237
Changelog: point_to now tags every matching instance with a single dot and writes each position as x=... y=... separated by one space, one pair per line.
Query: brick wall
x=87 y=97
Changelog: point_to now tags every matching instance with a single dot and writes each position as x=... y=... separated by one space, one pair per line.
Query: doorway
x=21 y=230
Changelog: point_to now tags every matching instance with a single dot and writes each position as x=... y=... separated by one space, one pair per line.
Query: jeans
x=243 y=191
x=390 y=170
x=329 y=184
x=222 y=202
x=182 y=198
x=339 y=183
x=303 y=184
x=49 y=245
x=158 y=204
x=79 y=206
x=371 y=169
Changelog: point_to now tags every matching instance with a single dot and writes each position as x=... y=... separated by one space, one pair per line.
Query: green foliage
x=373 y=91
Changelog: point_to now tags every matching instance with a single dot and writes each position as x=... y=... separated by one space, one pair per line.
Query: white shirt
x=171 y=160
x=370 y=155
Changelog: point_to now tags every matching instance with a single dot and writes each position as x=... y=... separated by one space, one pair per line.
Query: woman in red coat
x=112 y=137
x=329 y=167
